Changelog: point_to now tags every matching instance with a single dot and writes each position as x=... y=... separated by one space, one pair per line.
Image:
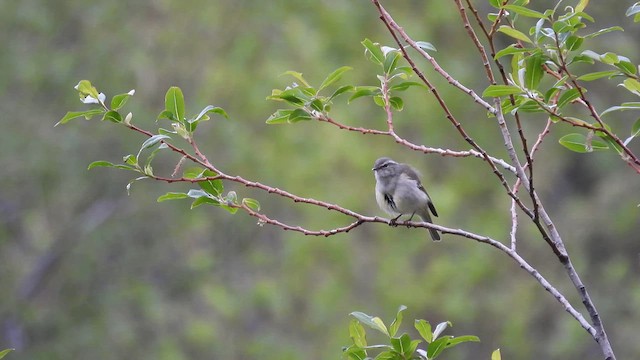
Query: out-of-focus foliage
x=89 y=272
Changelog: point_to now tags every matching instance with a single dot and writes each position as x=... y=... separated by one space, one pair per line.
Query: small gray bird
x=399 y=192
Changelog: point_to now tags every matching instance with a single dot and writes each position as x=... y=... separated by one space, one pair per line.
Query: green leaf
x=152 y=141
x=204 y=114
x=496 y=3
x=252 y=204
x=172 y=196
x=299 y=115
x=166 y=114
x=334 y=76
x=632 y=85
x=405 y=85
x=4 y=352
x=604 y=31
x=437 y=347
x=567 y=97
x=388 y=355
x=395 y=325
x=521 y=10
x=112 y=116
x=424 y=329
x=357 y=333
x=84 y=87
x=355 y=353
x=100 y=164
x=500 y=90
x=341 y=90
x=391 y=61
x=574 y=142
x=627 y=67
x=622 y=107
x=609 y=58
x=76 y=114
x=174 y=103
x=298 y=76
x=511 y=49
x=574 y=42
x=119 y=100
x=204 y=200
x=375 y=53
x=370 y=321
x=279 y=117
x=597 y=75
x=534 y=71
x=361 y=91
x=496 y=355
x=635 y=129
x=518 y=35
x=396 y=103
x=461 y=339
x=402 y=344
x=634 y=9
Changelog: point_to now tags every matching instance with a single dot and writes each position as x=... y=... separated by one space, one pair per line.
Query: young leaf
x=437 y=347
x=119 y=100
x=622 y=107
x=85 y=88
x=341 y=90
x=372 y=322
x=574 y=142
x=279 y=117
x=632 y=85
x=174 y=103
x=424 y=329
x=172 y=196
x=334 y=76
x=426 y=46
x=298 y=76
x=204 y=114
x=396 y=103
x=76 y=114
x=112 y=116
x=204 y=200
x=461 y=339
x=252 y=204
x=357 y=333
x=405 y=85
x=395 y=325
x=391 y=61
x=516 y=34
x=152 y=141
x=100 y=164
x=4 y=352
x=604 y=31
x=361 y=91
x=402 y=344
x=511 y=49
x=496 y=355
x=375 y=53
x=299 y=115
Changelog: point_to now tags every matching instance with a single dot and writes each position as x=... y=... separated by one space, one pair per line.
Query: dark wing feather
x=413 y=175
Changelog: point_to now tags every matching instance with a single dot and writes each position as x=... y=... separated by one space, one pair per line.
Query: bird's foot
x=394 y=221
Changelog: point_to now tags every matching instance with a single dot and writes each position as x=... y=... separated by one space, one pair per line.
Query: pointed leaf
x=424 y=329
x=574 y=142
x=76 y=114
x=112 y=116
x=437 y=347
x=119 y=100
x=516 y=34
x=622 y=107
x=204 y=200
x=341 y=90
x=100 y=164
x=172 y=196
x=357 y=333
x=597 y=75
x=521 y=10
x=402 y=344
x=534 y=71
x=511 y=49
x=426 y=46
x=375 y=53
x=252 y=204
x=334 y=76
x=395 y=325
x=361 y=91
x=298 y=76
x=567 y=97
x=174 y=103
x=279 y=117
x=496 y=355
x=500 y=90
x=153 y=140
x=461 y=339
x=370 y=321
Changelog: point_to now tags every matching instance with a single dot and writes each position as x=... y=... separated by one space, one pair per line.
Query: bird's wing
x=413 y=175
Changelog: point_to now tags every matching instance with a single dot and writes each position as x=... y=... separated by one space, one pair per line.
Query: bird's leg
x=412 y=216
x=393 y=221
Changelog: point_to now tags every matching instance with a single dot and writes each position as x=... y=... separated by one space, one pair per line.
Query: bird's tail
x=427 y=218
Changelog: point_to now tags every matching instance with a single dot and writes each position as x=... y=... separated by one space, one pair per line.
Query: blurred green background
x=88 y=272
